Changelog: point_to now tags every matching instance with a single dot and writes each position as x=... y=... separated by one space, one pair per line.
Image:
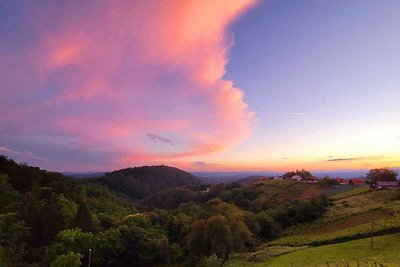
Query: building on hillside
x=357 y=181
x=277 y=177
x=385 y=184
x=342 y=181
x=313 y=180
x=296 y=177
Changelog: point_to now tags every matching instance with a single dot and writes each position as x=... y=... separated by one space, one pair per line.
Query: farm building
x=357 y=181
x=296 y=177
x=313 y=180
x=342 y=181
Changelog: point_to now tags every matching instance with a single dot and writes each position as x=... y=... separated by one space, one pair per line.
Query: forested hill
x=48 y=219
x=140 y=182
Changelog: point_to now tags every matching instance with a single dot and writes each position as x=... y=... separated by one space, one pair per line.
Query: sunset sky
x=200 y=85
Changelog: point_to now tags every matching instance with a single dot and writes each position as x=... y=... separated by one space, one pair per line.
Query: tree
x=69 y=260
x=288 y=175
x=196 y=240
x=269 y=228
x=108 y=247
x=219 y=237
x=52 y=219
x=16 y=237
x=305 y=175
x=70 y=240
x=329 y=181
x=83 y=218
x=179 y=227
x=220 y=231
x=8 y=196
x=381 y=174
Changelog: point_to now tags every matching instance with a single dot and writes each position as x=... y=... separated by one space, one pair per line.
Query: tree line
x=48 y=219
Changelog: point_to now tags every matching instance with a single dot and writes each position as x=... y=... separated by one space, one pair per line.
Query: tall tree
x=83 y=218
x=219 y=237
x=381 y=174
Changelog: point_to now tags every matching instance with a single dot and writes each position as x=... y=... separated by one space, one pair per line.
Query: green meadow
x=354 y=253
x=341 y=237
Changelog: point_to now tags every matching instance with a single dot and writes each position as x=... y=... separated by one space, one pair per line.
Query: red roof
x=358 y=180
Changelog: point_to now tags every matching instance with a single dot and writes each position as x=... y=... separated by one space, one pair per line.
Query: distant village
x=334 y=182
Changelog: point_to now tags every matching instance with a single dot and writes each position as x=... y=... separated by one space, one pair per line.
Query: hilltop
x=140 y=182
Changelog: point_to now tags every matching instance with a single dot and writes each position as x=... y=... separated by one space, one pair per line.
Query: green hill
x=48 y=219
x=351 y=253
x=356 y=214
x=140 y=182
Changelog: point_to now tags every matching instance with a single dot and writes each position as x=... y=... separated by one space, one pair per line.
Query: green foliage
x=106 y=246
x=51 y=220
x=70 y=240
x=349 y=218
x=69 y=260
x=38 y=206
x=328 y=181
x=140 y=182
x=305 y=175
x=269 y=228
x=219 y=236
x=16 y=237
x=169 y=199
x=84 y=220
x=220 y=230
x=10 y=199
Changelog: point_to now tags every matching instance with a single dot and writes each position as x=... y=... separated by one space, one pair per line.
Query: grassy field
x=355 y=253
x=353 y=192
x=289 y=189
x=351 y=216
x=341 y=236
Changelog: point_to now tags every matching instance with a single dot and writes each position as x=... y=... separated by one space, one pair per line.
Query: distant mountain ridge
x=228 y=177
x=139 y=182
x=81 y=175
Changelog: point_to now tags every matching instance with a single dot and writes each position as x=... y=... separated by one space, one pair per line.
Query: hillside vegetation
x=353 y=214
x=351 y=253
x=140 y=182
x=48 y=219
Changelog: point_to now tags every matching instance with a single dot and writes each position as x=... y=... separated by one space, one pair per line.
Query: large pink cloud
x=104 y=76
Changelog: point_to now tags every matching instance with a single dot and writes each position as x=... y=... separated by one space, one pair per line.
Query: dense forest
x=48 y=219
x=140 y=182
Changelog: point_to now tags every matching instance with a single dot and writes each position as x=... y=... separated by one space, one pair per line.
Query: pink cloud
x=24 y=154
x=107 y=73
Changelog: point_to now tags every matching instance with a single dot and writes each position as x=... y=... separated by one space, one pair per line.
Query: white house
x=297 y=178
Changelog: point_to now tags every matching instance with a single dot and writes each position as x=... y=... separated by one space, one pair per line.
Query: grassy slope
x=386 y=252
x=349 y=218
x=289 y=189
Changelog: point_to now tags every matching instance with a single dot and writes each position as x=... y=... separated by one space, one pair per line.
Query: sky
x=202 y=85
